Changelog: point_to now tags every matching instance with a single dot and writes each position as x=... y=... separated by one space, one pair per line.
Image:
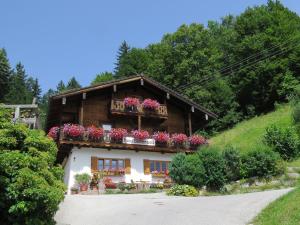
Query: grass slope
x=284 y=211
x=248 y=134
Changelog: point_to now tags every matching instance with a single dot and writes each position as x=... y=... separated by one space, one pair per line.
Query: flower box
x=114 y=172
x=95 y=134
x=196 y=140
x=161 y=139
x=117 y=134
x=73 y=132
x=131 y=104
x=179 y=140
x=150 y=104
x=53 y=133
x=160 y=174
x=140 y=134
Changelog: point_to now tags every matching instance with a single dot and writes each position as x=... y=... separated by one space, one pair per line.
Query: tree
x=33 y=90
x=18 y=92
x=72 y=84
x=103 y=77
x=60 y=86
x=123 y=50
x=31 y=186
x=44 y=105
x=5 y=73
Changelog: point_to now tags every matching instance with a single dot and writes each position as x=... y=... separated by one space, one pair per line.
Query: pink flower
x=117 y=134
x=150 y=104
x=179 y=138
x=73 y=130
x=197 y=140
x=161 y=137
x=140 y=134
x=53 y=133
x=129 y=101
x=95 y=133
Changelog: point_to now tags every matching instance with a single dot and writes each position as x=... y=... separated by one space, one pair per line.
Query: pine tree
x=61 y=86
x=122 y=52
x=73 y=83
x=18 y=92
x=5 y=73
x=36 y=90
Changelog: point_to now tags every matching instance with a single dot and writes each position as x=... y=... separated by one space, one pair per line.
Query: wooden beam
x=139 y=122
x=190 y=123
x=81 y=113
x=64 y=100
x=168 y=96
x=84 y=95
x=142 y=82
x=115 y=88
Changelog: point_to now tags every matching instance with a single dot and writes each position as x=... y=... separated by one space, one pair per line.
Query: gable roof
x=131 y=79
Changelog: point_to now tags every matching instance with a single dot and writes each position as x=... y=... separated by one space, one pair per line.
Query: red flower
x=179 y=138
x=140 y=134
x=53 y=133
x=197 y=140
x=161 y=137
x=150 y=104
x=73 y=130
x=131 y=102
x=117 y=134
x=95 y=133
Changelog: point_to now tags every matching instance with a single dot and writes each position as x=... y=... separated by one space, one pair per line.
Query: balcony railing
x=118 y=107
x=127 y=143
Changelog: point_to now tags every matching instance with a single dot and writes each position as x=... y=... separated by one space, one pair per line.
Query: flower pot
x=161 y=144
x=194 y=147
x=84 y=187
x=74 y=191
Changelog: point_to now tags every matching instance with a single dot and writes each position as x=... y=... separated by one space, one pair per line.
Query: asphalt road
x=159 y=209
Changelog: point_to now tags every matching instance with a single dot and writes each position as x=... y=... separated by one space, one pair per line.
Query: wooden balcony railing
x=118 y=107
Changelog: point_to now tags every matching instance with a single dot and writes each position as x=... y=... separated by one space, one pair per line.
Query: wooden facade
x=103 y=105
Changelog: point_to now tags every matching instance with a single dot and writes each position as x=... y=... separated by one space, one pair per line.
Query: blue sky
x=60 y=38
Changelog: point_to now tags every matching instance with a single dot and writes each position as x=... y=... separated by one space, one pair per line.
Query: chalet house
x=139 y=155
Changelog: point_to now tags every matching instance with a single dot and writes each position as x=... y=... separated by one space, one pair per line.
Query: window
x=110 y=164
x=159 y=166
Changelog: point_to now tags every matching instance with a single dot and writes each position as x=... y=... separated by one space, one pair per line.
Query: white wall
x=79 y=161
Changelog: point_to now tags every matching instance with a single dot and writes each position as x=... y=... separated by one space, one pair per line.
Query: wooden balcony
x=118 y=108
x=128 y=143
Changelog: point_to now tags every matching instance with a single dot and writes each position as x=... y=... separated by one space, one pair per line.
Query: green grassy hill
x=248 y=134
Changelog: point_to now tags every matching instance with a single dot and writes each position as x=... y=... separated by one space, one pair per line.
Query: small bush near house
x=214 y=165
x=232 y=160
x=187 y=170
x=262 y=163
x=283 y=141
x=183 y=190
x=31 y=186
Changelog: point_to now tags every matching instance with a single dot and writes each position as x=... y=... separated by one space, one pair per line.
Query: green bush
x=31 y=186
x=187 y=170
x=232 y=160
x=263 y=163
x=183 y=190
x=214 y=165
x=83 y=178
x=283 y=141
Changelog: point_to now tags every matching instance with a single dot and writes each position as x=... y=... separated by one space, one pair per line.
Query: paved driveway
x=159 y=209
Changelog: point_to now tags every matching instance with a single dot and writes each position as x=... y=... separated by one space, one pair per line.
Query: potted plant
x=95 y=134
x=83 y=180
x=53 y=133
x=73 y=131
x=117 y=134
x=109 y=184
x=161 y=138
x=196 y=140
x=150 y=104
x=74 y=190
x=131 y=104
x=140 y=134
x=179 y=140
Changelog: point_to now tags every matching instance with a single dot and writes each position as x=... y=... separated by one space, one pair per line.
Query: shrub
x=83 y=178
x=183 y=190
x=262 y=163
x=283 y=141
x=187 y=170
x=232 y=160
x=30 y=185
x=214 y=165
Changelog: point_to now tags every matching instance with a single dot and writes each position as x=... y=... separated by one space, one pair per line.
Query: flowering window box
x=140 y=134
x=73 y=132
x=131 y=104
x=159 y=173
x=179 y=140
x=95 y=134
x=53 y=133
x=113 y=172
x=117 y=134
x=161 y=139
x=196 y=140
x=150 y=105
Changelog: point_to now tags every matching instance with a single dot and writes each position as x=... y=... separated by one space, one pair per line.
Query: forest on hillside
x=237 y=67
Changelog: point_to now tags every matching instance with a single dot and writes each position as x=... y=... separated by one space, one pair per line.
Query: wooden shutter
x=146 y=166
x=94 y=164
x=127 y=166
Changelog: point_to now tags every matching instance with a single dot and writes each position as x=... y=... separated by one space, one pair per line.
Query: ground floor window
x=159 y=166
x=110 y=164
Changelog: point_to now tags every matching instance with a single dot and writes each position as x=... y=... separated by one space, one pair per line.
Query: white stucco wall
x=79 y=161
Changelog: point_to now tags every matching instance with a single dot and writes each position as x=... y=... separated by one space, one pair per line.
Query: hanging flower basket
x=131 y=104
x=140 y=134
x=196 y=140
x=117 y=134
x=95 y=134
x=150 y=104
x=179 y=140
x=73 y=132
x=161 y=138
x=53 y=133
